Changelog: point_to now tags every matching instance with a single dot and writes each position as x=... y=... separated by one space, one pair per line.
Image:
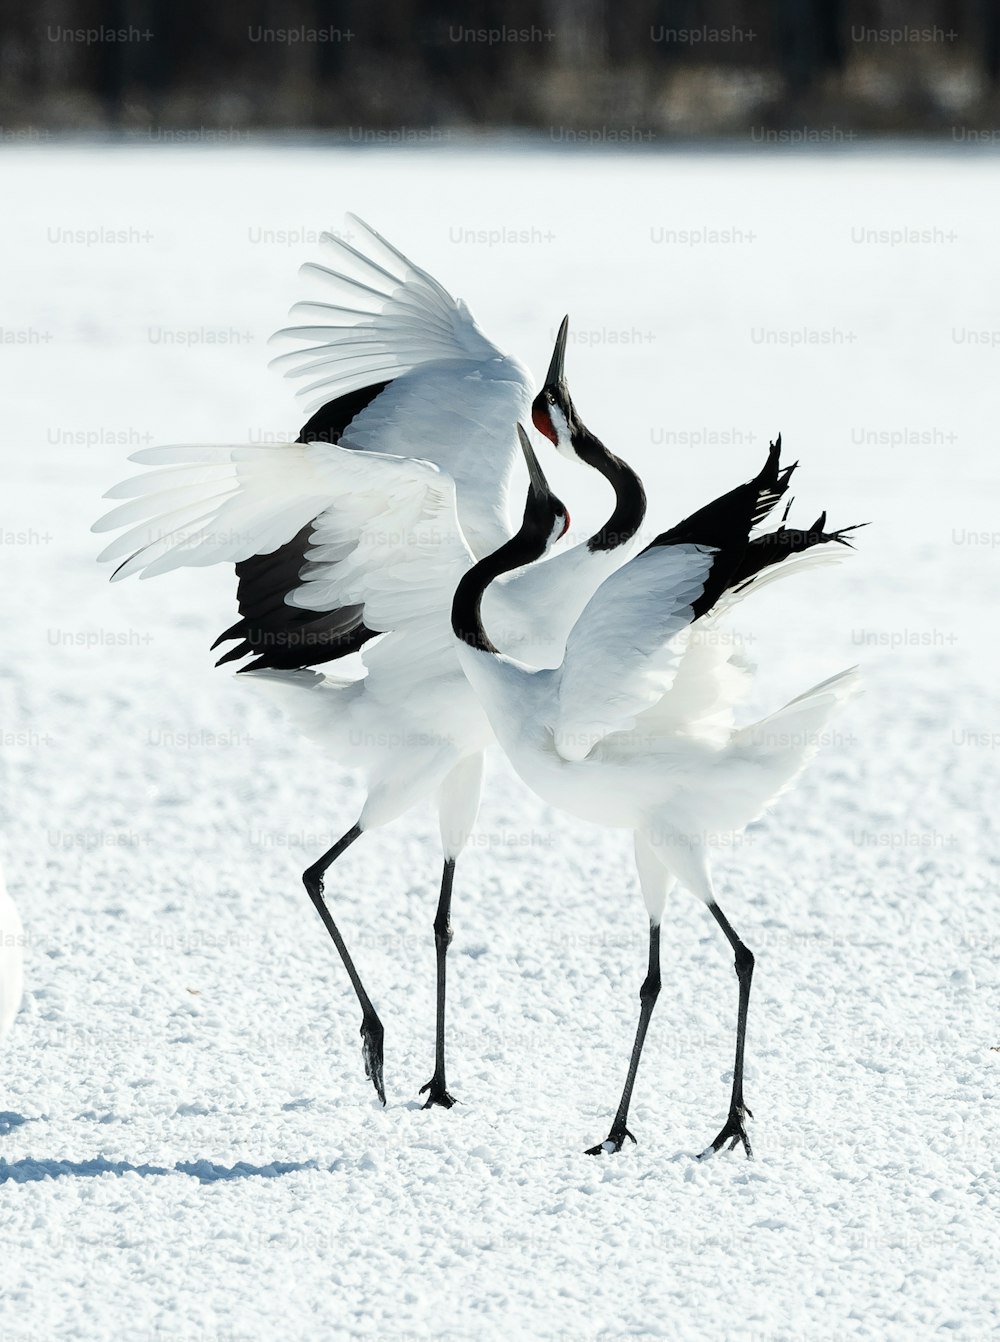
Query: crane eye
x=550 y=398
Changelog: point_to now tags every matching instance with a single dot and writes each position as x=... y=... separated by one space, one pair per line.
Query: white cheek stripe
x=560 y=427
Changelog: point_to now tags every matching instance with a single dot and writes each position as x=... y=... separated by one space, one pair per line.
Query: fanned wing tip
x=234 y=654
x=824 y=537
x=341 y=244
x=771 y=472
x=771 y=483
x=234 y=631
x=360 y=318
x=118 y=575
x=766 y=554
x=786 y=475
x=840 y=535
x=400 y=256
x=352 y=218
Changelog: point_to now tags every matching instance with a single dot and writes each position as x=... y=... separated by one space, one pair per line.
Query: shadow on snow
x=205 y=1171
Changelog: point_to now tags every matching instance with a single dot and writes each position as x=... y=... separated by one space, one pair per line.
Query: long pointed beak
x=556 y=373
x=539 y=484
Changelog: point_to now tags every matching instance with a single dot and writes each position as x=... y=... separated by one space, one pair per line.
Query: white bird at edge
x=331 y=536
x=11 y=960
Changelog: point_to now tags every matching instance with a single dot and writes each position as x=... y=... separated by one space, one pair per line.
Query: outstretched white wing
x=379 y=316
x=626 y=647
x=385 y=534
x=420 y=381
x=212 y=505
x=452 y=396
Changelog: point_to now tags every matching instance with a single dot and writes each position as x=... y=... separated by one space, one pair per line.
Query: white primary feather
x=210 y=505
x=453 y=397
x=378 y=521
x=380 y=316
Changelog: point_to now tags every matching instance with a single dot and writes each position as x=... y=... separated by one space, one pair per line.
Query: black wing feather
x=283 y=637
x=725 y=524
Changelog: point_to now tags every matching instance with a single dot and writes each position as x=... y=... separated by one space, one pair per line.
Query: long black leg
x=372 y=1033
x=734 y=1130
x=648 y=994
x=437 y=1087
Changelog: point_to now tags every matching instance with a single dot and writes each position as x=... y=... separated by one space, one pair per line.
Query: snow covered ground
x=189 y=1148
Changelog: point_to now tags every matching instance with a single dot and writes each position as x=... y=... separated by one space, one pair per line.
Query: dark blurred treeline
x=617 y=70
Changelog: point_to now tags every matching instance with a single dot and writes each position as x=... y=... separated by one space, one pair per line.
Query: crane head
x=546 y=518
x=552 y=411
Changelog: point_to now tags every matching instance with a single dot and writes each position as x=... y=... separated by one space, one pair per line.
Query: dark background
x=619 y=70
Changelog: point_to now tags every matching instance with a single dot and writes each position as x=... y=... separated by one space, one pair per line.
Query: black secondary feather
x=282 y=637
x=773 y=547
x=725 y=524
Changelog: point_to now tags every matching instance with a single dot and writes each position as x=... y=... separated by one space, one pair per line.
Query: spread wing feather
x=387 y=317
x=385 y=533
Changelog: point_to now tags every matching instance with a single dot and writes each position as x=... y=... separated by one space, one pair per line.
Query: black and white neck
x=630 y=498
x=545 y=521
x=555 y=415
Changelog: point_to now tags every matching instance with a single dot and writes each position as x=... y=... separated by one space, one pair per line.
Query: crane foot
x=437 y=1093
x=614 y=1141
x=733 y=1132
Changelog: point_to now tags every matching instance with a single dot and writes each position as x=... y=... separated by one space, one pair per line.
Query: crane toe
x=437 y=1094
x=734 y=1132
x=614 y=1141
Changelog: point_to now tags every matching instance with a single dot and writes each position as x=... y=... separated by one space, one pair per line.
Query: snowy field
x=189 y=1148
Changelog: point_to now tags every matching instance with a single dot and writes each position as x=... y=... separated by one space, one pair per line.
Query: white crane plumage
x=336 y=540
x=634 y=729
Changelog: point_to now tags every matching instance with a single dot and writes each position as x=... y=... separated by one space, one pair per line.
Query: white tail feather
x=765 y=758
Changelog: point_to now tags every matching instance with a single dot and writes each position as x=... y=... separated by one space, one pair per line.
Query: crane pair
x=384 y=530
